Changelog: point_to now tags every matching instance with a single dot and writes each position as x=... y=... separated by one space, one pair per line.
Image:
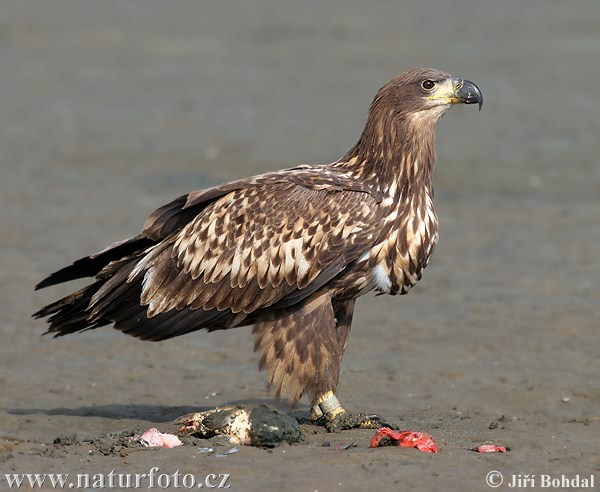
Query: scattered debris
x=205 y=450
x=256 y=425
x=491 y=448
x=118 y=443
x=584 y=420
x=65 y=440
x=493 y=425
x=406 y=439
x=153 y=438
x=226 y=453
x=343 y=447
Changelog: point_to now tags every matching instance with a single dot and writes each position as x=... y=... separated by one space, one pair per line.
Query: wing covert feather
x=259 y=244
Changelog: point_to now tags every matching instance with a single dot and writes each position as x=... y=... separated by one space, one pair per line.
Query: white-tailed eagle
x=287 y=252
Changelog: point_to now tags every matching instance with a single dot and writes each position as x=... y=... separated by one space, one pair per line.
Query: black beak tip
x=469 y=93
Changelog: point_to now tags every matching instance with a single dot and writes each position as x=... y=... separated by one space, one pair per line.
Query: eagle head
x=426 y=94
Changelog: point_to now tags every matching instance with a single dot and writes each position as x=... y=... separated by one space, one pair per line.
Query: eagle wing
x=258 y=245
x=267 y=241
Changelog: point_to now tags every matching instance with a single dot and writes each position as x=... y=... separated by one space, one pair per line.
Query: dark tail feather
x=91 y=265
x=69 y=314
x=114 y=299
x=82 y=311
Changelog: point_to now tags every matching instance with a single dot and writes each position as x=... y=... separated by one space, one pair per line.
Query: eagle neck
x=395 y=155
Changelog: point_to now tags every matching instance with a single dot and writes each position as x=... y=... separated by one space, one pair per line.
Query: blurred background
x=109 y=109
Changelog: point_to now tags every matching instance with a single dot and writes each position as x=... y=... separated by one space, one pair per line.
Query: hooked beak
x=466 y=92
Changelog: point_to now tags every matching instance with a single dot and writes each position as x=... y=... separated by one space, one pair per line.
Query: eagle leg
x=302 y=346
x=326 y=404
x=326 y=408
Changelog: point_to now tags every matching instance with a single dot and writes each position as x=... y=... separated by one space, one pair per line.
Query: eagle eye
x=428 y=85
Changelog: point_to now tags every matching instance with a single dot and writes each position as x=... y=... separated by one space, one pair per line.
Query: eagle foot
x=328 y=412
x=347 y=421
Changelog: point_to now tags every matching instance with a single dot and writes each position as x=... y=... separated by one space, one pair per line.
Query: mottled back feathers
x=257 y=244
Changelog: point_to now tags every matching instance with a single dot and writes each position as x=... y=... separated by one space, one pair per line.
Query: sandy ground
x=109 y=109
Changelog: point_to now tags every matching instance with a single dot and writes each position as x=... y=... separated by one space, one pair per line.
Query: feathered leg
x=327 y=403
x=302 y=348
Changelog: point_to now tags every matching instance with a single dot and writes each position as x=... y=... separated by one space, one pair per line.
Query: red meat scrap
x=406 y=439
x=491 y=448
